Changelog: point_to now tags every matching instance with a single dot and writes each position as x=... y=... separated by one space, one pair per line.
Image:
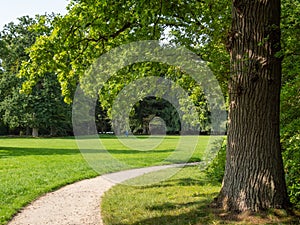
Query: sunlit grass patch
x=183 y=199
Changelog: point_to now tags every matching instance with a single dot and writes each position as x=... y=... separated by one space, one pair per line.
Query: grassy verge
x=30 y=167
x=180 y=200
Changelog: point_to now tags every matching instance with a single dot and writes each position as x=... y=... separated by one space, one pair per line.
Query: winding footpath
x=78 y=203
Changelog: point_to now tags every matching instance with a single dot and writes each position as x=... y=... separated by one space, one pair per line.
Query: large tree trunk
x=254 y=178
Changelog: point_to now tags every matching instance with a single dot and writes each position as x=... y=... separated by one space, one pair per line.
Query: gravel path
x=78 y=203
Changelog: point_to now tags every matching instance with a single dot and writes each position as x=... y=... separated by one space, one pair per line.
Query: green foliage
x=290 y=137
x=92 y=28
x=290 y=97
x=126 y=76
x=43 y=107
x=144 y=111
x=290 y=30
x=216 y=168
x=290 y=107
x=291 y=156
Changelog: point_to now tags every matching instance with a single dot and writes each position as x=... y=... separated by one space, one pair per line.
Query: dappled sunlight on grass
x=180 y=200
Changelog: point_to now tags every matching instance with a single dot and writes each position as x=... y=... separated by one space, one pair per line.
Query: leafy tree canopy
x=43 y=107
x=92 y=28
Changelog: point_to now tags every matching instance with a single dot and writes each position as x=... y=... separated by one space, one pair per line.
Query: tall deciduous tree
x=254 y=177
x=43 y=108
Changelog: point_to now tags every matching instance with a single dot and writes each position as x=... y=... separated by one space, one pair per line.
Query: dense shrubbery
x=216 y=168
x=290 y=136
x=291 y=156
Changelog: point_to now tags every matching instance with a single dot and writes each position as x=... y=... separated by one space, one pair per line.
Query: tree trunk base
x=226 y=204
x=271 y=216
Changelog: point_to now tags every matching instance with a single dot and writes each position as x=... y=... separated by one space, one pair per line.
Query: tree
x=148 y=108
x=14 y=39
x=43 y=108
x=254 y=177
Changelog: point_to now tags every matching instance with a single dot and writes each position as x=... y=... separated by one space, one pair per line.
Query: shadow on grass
x=24 y=151
x=37 y=138
x=133 y=151
x=191 y=160
x=196 y=213
x=140 y=137
x=182 y=182
x=199 y=212
x=17 y=151
x=195 y=204
x=112 y=136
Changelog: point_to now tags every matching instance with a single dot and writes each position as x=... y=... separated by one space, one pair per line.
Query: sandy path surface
x=78 y=203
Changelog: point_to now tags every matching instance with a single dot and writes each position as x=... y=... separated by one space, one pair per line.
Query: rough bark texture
x=254 y=178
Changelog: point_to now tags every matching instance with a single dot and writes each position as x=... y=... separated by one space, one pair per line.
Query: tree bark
x=27 y=131
x=254 y=177
x=35 y=132
x=53 y=131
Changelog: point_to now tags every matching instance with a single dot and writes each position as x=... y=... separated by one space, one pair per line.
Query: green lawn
x=125 y=153
x=30 y=167
x=183 y=199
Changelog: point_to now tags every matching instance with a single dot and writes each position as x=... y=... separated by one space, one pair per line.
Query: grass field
x=30 y=167
x=183 y=199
